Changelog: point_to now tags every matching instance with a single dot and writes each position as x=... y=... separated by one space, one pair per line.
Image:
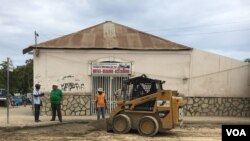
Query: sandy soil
x=94 y=131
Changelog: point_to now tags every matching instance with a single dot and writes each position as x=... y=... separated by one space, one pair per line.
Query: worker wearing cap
x=55 y=99
x=100 y=103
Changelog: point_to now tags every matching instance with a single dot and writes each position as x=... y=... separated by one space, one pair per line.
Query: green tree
x=247 y=60
x=3 y=74
x=21 y=79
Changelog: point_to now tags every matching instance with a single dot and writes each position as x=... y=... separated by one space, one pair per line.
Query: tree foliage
x=247 y=60
x=3 y=74
x=21 y=79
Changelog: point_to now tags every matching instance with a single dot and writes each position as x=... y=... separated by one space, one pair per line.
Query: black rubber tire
x=108 y=126
x=121 y=124
x=148 y=126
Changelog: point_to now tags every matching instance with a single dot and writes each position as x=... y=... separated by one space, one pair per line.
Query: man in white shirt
x=37 y=101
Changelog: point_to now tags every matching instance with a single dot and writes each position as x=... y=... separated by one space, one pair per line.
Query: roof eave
x=30 y=48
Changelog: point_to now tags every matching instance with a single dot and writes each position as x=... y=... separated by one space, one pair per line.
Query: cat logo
x=162 y=103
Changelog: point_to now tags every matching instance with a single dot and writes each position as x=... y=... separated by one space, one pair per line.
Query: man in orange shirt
x=100 y=103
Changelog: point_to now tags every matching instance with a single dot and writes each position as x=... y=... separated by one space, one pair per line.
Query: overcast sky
x=220 y=26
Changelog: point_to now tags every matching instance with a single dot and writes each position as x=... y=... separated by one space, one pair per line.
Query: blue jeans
x=100 y=110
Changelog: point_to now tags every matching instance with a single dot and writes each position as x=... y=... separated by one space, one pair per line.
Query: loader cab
x=140 y=86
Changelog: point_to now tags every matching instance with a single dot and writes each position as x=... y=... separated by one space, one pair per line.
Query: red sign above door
x=111 y=68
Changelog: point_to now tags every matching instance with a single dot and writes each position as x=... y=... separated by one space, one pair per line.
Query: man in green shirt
x=55 y=99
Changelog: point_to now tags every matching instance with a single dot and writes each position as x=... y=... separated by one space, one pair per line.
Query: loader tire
x=121 y=124
x=108 y=126
x=148 y=126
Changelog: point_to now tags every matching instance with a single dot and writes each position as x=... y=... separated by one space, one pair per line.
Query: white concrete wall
x=55 y=66
x=218 y=76
x=208 y=74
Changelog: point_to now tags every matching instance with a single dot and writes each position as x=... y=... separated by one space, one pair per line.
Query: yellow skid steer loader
x=146 y=107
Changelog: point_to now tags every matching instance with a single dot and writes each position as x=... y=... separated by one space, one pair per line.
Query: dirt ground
x=94 y=131
x=24 y=129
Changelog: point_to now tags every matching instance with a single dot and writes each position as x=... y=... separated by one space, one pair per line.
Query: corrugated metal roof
x=109 y=35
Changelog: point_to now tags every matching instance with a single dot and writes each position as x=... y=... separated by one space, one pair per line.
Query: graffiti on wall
x=71 y=83
x=67 y=83
x=66 y=77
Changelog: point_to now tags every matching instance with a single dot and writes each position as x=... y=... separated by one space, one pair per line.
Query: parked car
x=18 y=99
x=3 y=98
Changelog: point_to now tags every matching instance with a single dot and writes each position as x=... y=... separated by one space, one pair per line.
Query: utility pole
x=8 y=89
x=36 y=53
x=9 y=68
x=36 y=50
x=36 y=35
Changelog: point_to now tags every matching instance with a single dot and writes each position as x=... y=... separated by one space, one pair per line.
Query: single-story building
x=105 y=54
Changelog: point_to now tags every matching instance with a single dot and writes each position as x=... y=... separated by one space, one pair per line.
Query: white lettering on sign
x=236 y=132
x=111 y=68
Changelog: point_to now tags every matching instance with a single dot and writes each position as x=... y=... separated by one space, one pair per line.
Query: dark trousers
x=37 y=111
x=100 y=111
x=56 y=108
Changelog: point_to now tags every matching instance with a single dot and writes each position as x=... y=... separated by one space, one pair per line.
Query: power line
x=215 y=32
x=196 y=26
x=179 y=28
x=182 y=34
